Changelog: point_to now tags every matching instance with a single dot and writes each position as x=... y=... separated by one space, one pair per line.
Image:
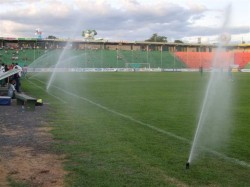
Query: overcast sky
x=127 y=20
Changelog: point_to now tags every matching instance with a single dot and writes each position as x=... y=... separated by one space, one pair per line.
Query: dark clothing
x=17 y=80
x=201 y=70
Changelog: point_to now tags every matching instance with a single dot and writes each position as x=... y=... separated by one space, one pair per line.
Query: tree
x=156 y=38
x=178 y=41
x=51 y=37
x=89 y=34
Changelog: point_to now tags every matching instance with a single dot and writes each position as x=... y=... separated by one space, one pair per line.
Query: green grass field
x=135 y=129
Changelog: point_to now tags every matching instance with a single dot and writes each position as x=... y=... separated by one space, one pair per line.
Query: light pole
x=117 y=57
x=174 y=58
x=161 y=57
x=147 y=52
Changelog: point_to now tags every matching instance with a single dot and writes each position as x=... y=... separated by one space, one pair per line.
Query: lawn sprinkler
x=187 y=165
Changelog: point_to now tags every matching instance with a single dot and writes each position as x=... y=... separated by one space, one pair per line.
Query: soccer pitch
x=136 y=129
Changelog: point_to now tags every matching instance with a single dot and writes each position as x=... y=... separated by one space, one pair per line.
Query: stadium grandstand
x=44 y=53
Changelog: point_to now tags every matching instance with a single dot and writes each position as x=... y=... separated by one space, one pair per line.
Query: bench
x=28 y=102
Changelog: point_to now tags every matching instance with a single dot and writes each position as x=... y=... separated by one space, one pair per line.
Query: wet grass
x=135 y=129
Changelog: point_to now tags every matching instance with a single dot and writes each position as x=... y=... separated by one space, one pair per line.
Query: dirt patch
x=25 y=148
x=34 y=168
x=3 y=181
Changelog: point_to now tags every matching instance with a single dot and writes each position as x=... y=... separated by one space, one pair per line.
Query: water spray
x=217 y=97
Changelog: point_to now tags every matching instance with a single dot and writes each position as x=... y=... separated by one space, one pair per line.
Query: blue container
x=5 y=100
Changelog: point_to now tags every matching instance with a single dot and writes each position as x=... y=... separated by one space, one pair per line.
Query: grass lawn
x=135 y=129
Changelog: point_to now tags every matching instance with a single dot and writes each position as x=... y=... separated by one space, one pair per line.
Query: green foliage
x=89 y=34
x=51 y=37
x=156 y=38
x=178 y=41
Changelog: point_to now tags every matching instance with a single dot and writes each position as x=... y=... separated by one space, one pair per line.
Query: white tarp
x=9 y=73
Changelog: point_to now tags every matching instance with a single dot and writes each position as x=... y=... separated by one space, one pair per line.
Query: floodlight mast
x=89 y=34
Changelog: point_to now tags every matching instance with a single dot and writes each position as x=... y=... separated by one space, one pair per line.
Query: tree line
x=154 y=38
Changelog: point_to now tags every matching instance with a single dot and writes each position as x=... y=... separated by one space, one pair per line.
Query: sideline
x=46 y=92
x=223 y=156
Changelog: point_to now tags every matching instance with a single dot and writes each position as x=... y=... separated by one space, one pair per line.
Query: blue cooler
x=5 y=100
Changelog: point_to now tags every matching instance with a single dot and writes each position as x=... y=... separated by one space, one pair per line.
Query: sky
x=128 y=20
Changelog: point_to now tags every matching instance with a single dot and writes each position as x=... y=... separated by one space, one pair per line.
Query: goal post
x=137 y=65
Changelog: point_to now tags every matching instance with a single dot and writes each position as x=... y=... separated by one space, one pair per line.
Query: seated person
x=11 y=89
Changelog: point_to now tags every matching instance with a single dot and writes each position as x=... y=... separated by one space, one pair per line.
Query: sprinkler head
x=187 y=165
